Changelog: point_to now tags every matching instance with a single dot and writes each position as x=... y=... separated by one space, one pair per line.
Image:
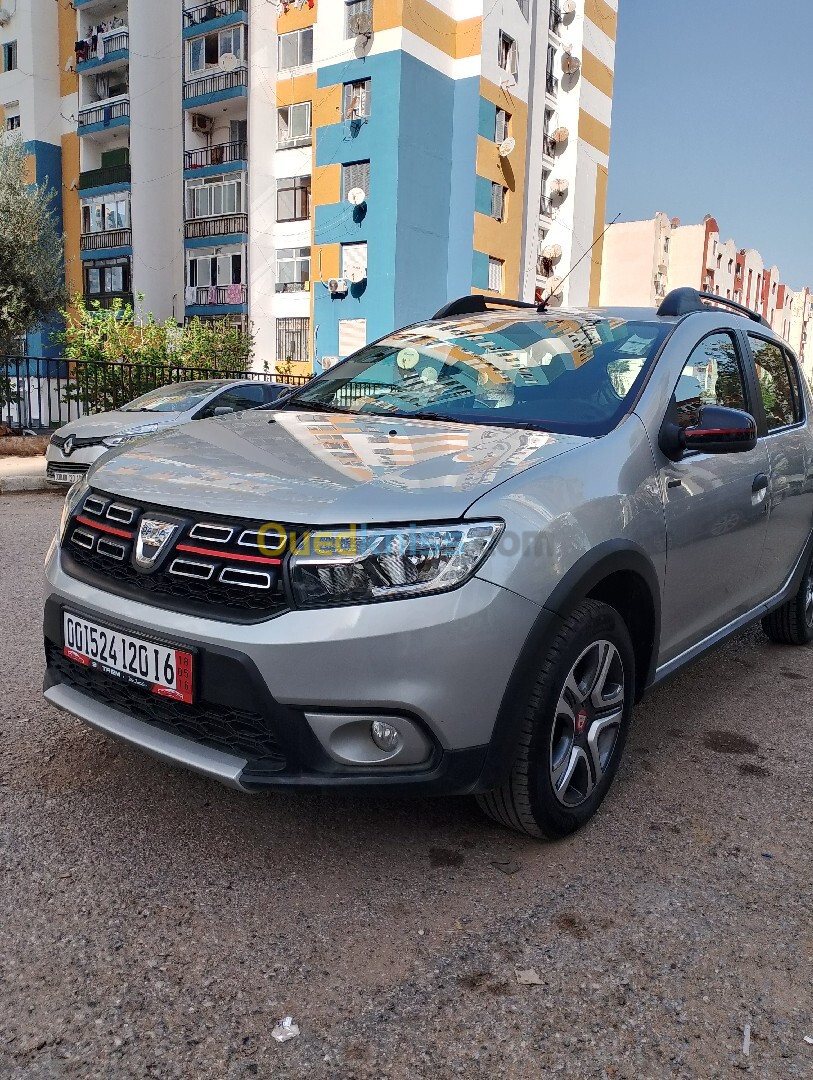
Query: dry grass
x=23 y=445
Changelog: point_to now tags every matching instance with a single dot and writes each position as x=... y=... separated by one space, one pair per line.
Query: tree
x=31 y=251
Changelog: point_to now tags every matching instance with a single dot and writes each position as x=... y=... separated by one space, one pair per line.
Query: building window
x=105 y=213
x=294 y=125
x=356 y=175
x=10 y=56
x=205 y=52
x=357 y=99
x=495 y=270
x=293 y=341
x=294 y=198
x=293 y=269
x=104 y=277
x=507 y=54
x=554 y=16
x=357 y=13
x=296 y=49
x=352 y=335
x=523 y=7
x=12 y=121
x=354 y=258
x=501 y=125
x=214 y=196
x=498 y=193
x=207 y=268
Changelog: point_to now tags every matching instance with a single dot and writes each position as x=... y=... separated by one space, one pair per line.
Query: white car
x=74 y=448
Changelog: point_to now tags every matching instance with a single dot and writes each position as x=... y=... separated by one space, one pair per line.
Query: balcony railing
x=104 y=113
x=118 y=41
x=548 y=145
x=209 y=295
x=106 y=300
x=555 y=18
x=216 y=83
x=221 y=154
x=546 y=206
x=112 y=174
x=111 y=238
x=291 y=286
x=217 y=9
x=226 y=225
x=551 y=83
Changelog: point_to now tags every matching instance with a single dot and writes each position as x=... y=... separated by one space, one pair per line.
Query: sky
x=713 y=114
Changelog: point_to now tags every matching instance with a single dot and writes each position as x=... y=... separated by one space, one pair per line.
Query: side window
x=239 y=397
x=711 y=376
x=779 y=397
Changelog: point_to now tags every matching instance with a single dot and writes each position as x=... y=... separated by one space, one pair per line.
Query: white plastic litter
x=527 y=977
x=286 y=1029
x=746 y=1040
x=809 y=1040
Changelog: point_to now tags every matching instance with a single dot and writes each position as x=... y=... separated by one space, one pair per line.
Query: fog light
x=385 y=736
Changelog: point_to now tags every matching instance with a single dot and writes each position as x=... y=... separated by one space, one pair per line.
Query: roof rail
x=471 y=305
x=685 y=301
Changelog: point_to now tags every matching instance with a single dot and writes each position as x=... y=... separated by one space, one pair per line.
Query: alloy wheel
x=588 y=719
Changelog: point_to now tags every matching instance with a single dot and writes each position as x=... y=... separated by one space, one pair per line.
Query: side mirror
x=721 y=431
x=222 y=410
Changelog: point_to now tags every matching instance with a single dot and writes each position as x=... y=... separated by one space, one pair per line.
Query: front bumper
x=442 y=663
x=72 y=466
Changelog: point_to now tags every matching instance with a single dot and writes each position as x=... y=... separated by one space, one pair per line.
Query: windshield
x=177 y=398
x=576 y=374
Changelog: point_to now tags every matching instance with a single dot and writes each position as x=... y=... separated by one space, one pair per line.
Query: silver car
x=74 y=448
x=451 y=563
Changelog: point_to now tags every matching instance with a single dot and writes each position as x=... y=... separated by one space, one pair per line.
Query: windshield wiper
x=309 y=406
x=522 y=425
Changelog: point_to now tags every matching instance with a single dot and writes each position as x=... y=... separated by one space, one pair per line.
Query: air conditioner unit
x=201 y=124
x=338 y=286
x=361 y=25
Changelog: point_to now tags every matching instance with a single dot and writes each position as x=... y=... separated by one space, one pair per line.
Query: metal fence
x=42 y=394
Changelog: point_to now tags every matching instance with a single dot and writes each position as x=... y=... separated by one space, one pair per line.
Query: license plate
x=61 y=477
x=162 y=670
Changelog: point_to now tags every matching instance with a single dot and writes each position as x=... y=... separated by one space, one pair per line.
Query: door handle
x=760 y=483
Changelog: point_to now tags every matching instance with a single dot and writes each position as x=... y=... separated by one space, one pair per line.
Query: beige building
x=643 y=260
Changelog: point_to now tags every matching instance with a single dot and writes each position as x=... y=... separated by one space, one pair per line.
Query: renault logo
x=153 y=539
x=67 y=446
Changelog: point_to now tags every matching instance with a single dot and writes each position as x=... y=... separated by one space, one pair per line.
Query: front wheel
x=574 y=728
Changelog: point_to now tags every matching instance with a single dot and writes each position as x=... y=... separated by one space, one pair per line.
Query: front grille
x=213 y=566
x=234 y=731
x=78 y=443
x=75 y=470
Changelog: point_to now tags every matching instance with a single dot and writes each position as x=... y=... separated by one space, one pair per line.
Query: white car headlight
x=72 y=500
x=361 y=566
x=128 y=436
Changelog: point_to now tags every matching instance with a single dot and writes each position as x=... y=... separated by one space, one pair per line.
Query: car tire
x=792 y=623
x=575 y=722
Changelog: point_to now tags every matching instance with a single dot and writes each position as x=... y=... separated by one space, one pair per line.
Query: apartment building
x=643 y=260
x=324 y=169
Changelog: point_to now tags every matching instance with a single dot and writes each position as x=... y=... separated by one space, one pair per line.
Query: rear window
x=562 y=373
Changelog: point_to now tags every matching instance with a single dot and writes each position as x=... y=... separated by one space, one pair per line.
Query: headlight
x=128 y=436
x=359 y=566
x=72 y=500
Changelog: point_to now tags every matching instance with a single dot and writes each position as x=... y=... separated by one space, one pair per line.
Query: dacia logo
x=153 y=539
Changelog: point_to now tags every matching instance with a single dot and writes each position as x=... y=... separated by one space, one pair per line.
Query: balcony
x=546 y=206
x=292 y=286
x=113 y=113
x=221 y=154
x=225 y=225
x=112 y=176
x=548 y=145
x=216 y=295
x=106 y=300
x=112 y=48
x=555 y=18
x=216 y=86
x=551 y=83
x=217 y=9
x=110 y=238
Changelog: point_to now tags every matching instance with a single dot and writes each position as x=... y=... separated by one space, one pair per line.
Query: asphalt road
x=153 y=924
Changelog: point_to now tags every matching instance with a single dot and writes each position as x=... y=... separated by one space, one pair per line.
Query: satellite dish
x=228 y=62
x=506 y=147
x=357 y=275
x=407 y=359
x=356 y=196
x=361 y=25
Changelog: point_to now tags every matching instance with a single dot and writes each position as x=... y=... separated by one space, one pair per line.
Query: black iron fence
x=215 y=84
x=215 y=9
x=42 y=394
x=220 y=154
x=104 y=114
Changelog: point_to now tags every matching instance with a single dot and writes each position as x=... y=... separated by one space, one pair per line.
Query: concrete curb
x=10 y=485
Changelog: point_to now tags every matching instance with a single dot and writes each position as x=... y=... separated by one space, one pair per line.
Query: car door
x=716 y=505
x=789 y=457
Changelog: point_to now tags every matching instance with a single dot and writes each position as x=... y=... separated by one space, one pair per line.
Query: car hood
x=324 y=468
x=117 y=422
